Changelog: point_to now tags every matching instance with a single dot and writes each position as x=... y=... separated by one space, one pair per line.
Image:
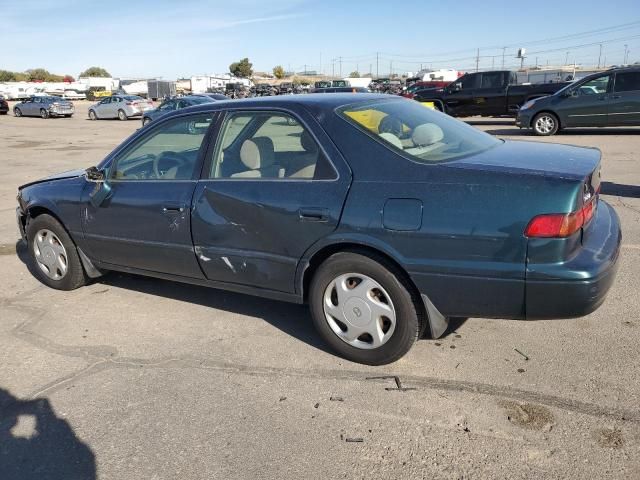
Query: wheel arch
x=547 y=110
x=433 y=320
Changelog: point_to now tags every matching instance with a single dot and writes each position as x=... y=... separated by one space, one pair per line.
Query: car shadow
x=620 y=190
x=292 y=319
x=505 y=121
x=515 y=131
x=36 y=444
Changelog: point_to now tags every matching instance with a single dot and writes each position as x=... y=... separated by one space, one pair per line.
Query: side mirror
x=102 y=189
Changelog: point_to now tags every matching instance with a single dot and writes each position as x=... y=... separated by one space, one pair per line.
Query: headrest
x=257 y=153
x=307 y=142
x=426 y=134
x=392 y=139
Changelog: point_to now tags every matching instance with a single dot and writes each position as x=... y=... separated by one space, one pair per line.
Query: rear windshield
x=418 y=132
x=132 y=97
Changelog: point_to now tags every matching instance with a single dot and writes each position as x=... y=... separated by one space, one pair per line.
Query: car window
x=270 y=145
x=168 y=105
x=595 y=86
x=627 y=81
x=491 y=80
x=167 y=152
x=468 y=81
x=417 y=132
x=105 y=101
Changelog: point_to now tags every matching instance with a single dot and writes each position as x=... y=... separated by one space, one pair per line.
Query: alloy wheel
x=545 y=124
x=359 y=311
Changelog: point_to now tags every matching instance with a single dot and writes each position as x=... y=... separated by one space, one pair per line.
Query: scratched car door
x=145 y=222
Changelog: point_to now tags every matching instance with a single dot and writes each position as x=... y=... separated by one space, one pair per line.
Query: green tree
x=6 y=76
x=242 y=69
x=278 y=72
x=354 y=75
x=95 y=72
x=20 y=77
x=38 y=75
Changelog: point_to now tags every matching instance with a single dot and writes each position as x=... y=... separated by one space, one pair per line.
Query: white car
x=73 y=95
x=120 y=106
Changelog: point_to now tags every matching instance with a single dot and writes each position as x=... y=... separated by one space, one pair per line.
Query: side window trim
x=217 y=128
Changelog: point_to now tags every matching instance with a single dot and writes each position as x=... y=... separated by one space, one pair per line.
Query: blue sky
x=148 y=38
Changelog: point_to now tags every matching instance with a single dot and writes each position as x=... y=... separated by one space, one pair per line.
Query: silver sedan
x=120 y=106
x=44 y=107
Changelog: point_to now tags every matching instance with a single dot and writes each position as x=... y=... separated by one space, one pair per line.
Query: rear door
x=272 y=186
x=145 y=222
x=588 y=105
x=624 y=106
x=491 y=95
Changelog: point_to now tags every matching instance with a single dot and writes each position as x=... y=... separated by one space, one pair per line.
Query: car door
x=27 y=107
x=145 y=221
x=624 y=106
x=273 y=185
x=102 y=109
x=586 y=104
x=489 y=98
x=459 y=96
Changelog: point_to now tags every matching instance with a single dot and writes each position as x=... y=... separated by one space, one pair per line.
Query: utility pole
x=504 y=49
x=599 y=55
x=626 y=53
x=566 y=59
x=536 y=62
x=377 y=65
x=333 y=67
x=340 y=67
x=478 y=60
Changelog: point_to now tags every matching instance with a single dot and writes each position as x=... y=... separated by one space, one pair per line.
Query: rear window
x=419 y=133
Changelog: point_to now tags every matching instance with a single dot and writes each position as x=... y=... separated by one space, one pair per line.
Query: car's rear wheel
x=92 y=115
x=122 y=115
x=145 y=121
x=17 y=112
x=44 y=113
x=53 y=255
x=545 y=124
x=363 y=308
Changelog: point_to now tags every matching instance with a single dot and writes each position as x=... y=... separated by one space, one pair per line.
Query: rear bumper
x=579 y=286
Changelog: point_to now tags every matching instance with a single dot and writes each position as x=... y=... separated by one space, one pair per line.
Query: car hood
x=57 y=176
x=535 y=158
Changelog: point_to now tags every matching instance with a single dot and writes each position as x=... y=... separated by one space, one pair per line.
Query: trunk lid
x=537 y=158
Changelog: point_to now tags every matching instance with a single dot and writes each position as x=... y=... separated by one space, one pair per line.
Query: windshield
x=418 y=132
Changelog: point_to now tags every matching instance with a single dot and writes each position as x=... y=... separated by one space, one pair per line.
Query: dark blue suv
x=385 y=216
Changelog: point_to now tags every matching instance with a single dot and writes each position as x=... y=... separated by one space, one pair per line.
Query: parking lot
x=147 y=379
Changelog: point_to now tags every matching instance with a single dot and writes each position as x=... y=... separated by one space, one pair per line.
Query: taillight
x=560 y=225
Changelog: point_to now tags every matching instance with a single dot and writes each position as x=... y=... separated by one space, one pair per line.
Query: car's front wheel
x=122 y=115
x=53 y=255
x=363 y=308
x=17 y=112
x=92 y=115
x=545 y=124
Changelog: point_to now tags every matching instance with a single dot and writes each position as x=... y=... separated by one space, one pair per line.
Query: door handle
x=615 y=97
x=173 y=209
x=313 y=214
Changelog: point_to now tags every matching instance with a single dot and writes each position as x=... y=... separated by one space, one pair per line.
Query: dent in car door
x=251 y=227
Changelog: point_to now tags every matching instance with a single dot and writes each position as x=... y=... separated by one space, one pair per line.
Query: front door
x=145 y=222
x=273 y=186
x=587 y=105
x=624 y=106
x=460 y=95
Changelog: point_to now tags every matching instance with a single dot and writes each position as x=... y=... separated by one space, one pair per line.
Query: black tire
x=122 y=115
x=17 y=112
x=44 y=113
x=68 y=116
x=4 y=113
x=146 y=121
x=545 y=124
x=92 y=115
x=75 y=276
x=409 y=320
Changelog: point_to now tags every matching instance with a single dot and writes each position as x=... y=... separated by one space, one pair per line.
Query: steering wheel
x=178 y=160
x=391 y=124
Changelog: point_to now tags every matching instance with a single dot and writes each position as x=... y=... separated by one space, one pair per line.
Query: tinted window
x=268 y=145
x=417 y=132
x=168 y=152
x=468 y=81
x=168 y=105
x=627 y=82
x=491 y=80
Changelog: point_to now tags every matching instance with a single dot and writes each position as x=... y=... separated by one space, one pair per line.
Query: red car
x=410 y=91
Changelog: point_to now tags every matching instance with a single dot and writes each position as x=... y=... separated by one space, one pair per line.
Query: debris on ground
x=524 y=355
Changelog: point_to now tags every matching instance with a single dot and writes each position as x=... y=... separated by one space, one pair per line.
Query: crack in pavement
x=103 y=357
